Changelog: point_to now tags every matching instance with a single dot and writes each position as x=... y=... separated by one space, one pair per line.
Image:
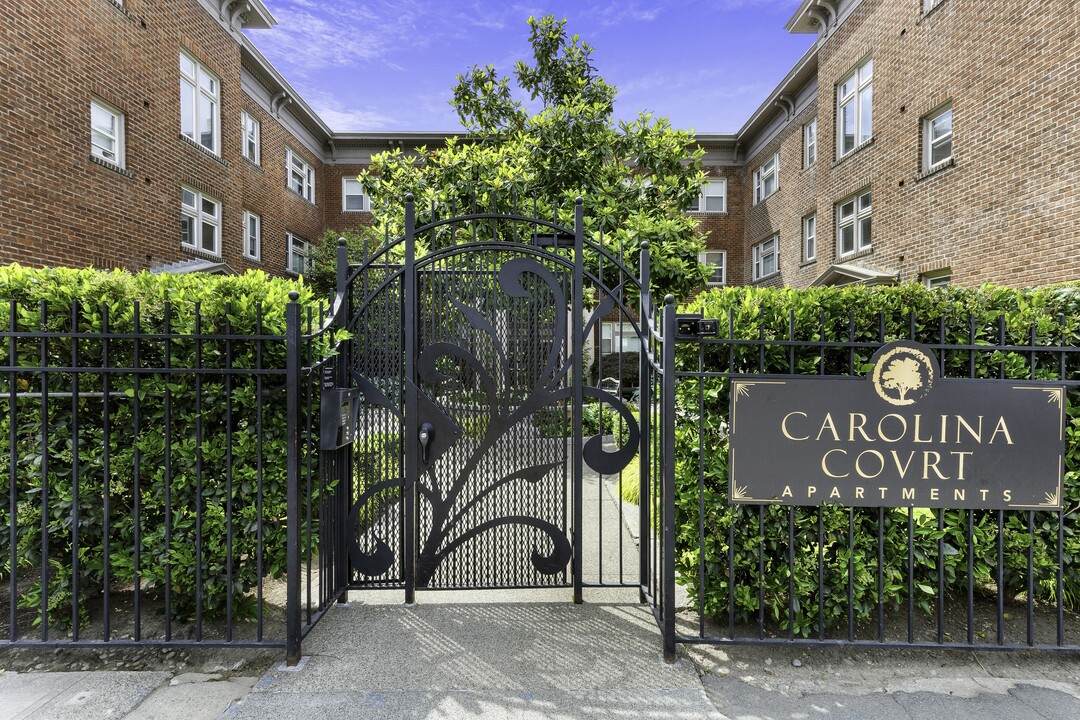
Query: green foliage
x=637 y=178
x=361 y=243
x=624 y=366
x=179 y=484
x=985 y=316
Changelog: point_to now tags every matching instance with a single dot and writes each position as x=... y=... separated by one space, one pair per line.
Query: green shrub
x=871 y=315
x=203 y=486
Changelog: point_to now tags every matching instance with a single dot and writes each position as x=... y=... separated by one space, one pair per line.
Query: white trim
x=937 y=279
x=809 y=237
x=709 y=257
x=201 y=87
x=299 y=175
x=810 y=143
x=194 y=210
x=107 y=141
x=768 y=172
x=859 y=219
x=302 y=249
x=857 y=92
x=365 y=201
x=764 y=251
x=250 y=138
x=712 y=189
x=252 y=235
x=931 y=143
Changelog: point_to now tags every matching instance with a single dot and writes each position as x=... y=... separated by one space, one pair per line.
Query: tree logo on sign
x=903 y=374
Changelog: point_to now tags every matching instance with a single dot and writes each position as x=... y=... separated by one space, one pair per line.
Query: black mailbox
x=338 y=413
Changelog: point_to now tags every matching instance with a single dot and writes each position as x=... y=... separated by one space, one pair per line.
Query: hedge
x=224 y=413
x=1046 y=316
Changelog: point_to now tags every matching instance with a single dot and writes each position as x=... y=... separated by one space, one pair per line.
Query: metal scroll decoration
x=450 y=503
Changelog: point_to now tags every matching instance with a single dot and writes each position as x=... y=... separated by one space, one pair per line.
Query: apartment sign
x=900 y=437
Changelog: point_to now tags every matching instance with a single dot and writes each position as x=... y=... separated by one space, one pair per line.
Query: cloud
x=343 y=117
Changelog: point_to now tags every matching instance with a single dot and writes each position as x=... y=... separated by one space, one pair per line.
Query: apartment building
x=934 y=140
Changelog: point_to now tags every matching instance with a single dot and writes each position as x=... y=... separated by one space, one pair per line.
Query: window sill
x=715 y=284
x=764 y=278
x=765 y=199
x=355 y=212
x=203 y=150
x=252 y=260
x=200 y=253
x=855 y=255
x=253 y=165
x=112 y=166
x=857 y=149
x=301 y=197
x=808 y=263
x=707 y=213
x=935 y=169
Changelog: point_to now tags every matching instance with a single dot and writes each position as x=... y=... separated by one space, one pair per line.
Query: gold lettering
x=835 y=493
x=858 y=464
x=828 y=423
x=825 y=459
x=984 y=493
x=902 y=469
x=810 y=490
x=1002 y=428
x=926 y=465
x=787 y=492
x=918 y=420
x=1006 y=495
x=959 y=494
x=934 y=491
x=907 y=493
x=852 y=427
x=976 y=435
x=783 y=426
x=903 y=428
x=944 y=420
x=883 y=491
x=859 y=493
x=960 y=462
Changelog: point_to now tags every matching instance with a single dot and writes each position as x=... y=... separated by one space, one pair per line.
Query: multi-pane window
x=937 y=138
x=767 y=178
x=767 y=257
x=106 y=132
x=301 y=176
x=200 y=221
x=200 y=94
x=853 y=224
x=618 y=337
x=854 y=112
x=809 y=237
x=298 y=254
x=712 y=199
x=810 y=143
x=250 y=138
x=252 y=235
x=940 y=279
x=717 y=262
x=353 y=197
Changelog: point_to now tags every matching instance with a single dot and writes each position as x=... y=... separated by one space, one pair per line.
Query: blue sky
x=386 y=65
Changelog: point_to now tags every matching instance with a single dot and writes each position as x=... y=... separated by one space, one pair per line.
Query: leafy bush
x=986 y=316
x=171 y=497
x=619 y=365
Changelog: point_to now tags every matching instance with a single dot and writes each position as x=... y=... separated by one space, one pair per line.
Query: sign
x=900 y=437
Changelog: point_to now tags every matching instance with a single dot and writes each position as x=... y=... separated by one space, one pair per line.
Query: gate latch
x=695 y=326
x=426 y=434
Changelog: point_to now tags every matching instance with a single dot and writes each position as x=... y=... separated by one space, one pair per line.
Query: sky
x=390 y=65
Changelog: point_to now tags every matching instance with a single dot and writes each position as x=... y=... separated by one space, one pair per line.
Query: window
x=853 y=224
x=200 y=221
x=106 y=132
x=301 y=176
x=929 y=5
x=252 y=235
x=937 y=138
x=251 y=137
x=810 y=143
x=766 y=179
x=809 y=237
x=854 y=116
x=618 y=337
x=713 y=198
x=199 y=94
x=297 y=252
x=937 y=279
x=717 y=262
x=353 y=197
x=767 y=258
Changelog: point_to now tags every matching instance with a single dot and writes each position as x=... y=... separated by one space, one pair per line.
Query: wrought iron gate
x=463 y=371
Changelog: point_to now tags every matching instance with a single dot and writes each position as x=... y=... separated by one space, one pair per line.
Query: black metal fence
x=826 y=575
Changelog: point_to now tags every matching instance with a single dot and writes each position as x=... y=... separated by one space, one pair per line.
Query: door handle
x=425 y=434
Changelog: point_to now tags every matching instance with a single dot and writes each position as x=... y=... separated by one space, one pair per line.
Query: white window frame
x=859 y=219
x=809 y=237
x=114 y=134
x=711 y=190
x=252 y=235
x=299 y=175
x=302 y=248
x=716 y=260
x=767 y=249
x=200 y=220
x=365 y=201
x=929 y=5
x=930 y=143
x=857 y=91
x=938 y=279
x=810 y=143
x=766 y=172
x=251 y=138
x=195 y=84
x=612 y=331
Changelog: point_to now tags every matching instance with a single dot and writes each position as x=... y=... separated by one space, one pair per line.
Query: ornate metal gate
x=464 y=373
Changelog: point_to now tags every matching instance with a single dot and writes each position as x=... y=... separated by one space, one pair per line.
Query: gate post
x=645 y=374
x=292 y=461
x=577 y=348
x=667 y=492
x=343 y=457
x=408 y=322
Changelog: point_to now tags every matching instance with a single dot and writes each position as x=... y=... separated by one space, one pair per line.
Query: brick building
x=916 y=139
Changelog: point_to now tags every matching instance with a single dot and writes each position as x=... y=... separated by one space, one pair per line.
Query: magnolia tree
x=636 y=178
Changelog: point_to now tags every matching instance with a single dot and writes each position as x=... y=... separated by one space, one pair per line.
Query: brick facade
x=1005 y=210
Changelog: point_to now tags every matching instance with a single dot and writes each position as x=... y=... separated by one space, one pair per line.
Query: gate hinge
x=692 y=327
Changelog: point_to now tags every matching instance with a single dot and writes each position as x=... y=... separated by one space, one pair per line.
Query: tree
x=903 y=376
x=637 y=178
